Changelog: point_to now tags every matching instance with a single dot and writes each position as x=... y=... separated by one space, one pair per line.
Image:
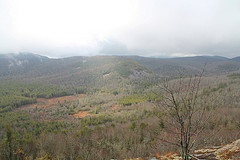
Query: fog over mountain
x=126 y=27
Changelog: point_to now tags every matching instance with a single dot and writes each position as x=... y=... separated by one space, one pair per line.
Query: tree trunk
x=184 y=153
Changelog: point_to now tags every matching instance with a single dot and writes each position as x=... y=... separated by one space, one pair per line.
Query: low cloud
x=144 y=27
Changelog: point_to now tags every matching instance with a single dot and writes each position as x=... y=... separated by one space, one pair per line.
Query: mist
x=127 y=27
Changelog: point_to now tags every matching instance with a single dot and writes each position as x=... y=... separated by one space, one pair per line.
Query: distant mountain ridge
x=236 y=59
x=88 y=70
x=20 y=63
x=190 y=65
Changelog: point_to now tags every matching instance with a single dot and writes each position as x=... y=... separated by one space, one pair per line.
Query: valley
x=110 y=107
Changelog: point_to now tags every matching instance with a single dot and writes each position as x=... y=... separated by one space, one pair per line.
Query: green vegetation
x=137 y=98
x=91 y=121
x=219 y=88
x=228 y=67
x=15 y=93
x=9 y=102
x=127 y=67
x=234 y=75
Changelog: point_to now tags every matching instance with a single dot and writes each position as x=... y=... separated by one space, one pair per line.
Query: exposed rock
x=229 y=152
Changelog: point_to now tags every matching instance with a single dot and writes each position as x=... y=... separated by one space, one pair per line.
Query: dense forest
x=14 y=94
x=108 y=107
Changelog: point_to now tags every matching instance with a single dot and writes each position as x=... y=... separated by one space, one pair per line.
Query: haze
x=165 y=28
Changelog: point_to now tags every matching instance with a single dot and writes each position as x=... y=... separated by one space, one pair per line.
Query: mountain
x=236 y=59
x=97 y=71
x=190 y=65
x=14 y=64
x=111 y=70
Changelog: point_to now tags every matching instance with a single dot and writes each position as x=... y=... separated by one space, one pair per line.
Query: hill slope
x=190 y=65
x=236 y=59
x=98 y=71
x=16 y=64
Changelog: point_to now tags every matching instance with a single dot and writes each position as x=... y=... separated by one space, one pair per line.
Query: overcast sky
x=62 y=28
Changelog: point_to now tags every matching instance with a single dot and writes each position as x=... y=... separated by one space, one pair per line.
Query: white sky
x=140 y=27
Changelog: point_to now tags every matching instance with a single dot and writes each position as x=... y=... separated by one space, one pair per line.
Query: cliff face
x=229 y=152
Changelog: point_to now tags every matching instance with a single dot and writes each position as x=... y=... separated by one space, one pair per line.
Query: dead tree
x=186 y=109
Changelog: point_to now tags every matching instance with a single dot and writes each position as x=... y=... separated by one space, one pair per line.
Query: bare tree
x=187 y=110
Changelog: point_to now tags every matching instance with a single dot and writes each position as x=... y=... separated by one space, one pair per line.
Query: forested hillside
x=189 y=65
x=111 y=107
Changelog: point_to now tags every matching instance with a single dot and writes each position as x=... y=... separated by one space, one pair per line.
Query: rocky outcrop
x=226 y=152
